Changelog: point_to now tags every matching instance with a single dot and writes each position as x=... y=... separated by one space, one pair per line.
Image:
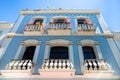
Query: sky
x=110 y=9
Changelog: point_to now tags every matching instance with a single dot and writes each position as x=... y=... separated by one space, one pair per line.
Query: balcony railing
x=59 y=26
x=57 y=64
x=19 y=65
x=59 y=29
x=33 y=29
x=94 y=64
x=86 y=27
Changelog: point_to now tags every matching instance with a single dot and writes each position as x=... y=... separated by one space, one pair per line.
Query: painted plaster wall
x=104 y=46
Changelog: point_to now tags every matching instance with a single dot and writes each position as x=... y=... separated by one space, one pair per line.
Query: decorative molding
x=70 y=43
x=47 y=43
x=79 y=43
x=59 y=42
x=31 y=42
x=87 y=42
x=82 y=17
x=59 y=11
x=22 y=43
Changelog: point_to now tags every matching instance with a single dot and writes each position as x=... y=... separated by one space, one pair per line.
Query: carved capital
x=70 y=43
x=39 y=42
x=47 y=43
x=79 y=43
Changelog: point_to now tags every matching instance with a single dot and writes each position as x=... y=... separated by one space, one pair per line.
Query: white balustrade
x=32 y=27
x=86 y=27
x=57 y=64
x=59 y=26
x=19 y=65
x=95 y=64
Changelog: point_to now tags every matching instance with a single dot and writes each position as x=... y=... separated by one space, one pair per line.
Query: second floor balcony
x=85 y=29
x=59 y=29
x=57 y=67
x=19 y=65
x=33 y=29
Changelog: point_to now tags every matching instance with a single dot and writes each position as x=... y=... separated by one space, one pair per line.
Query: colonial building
x=65 y=44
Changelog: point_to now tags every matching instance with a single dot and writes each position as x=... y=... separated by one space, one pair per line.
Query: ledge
x=57 y=73
x=16 y=73
x=86 y=11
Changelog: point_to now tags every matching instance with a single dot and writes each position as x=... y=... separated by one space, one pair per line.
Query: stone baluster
x=47 y=64
x=29 y=65
x=60 y=64
x=25 y=65
x=64 y=64
x=51 y=64
x=11 y=65
x=55 y=64
x=20 y=65
x=16 y=65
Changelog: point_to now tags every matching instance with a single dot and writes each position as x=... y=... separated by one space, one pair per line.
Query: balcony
x=19 y=68
x=97 y=67
x=57 y=67
x=59 y=29
x=85 y=29
x=32 y=29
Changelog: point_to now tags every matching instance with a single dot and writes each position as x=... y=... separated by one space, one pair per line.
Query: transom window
x=29 y=52
x=59 y=52
x=59 y=20
x=88 y=52
x=81 y=21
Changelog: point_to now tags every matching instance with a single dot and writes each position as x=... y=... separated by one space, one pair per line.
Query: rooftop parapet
x=28 y=11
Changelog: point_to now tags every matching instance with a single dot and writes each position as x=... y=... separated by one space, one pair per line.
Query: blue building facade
x=60 y=43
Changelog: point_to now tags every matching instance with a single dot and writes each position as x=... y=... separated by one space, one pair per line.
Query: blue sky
x=9 y=9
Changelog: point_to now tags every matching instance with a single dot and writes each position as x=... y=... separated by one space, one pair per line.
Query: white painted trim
x=60 y=11
x=17 y=24
x=51 y=20
x=82 y=17
x=95 y=46
x=115 y=50
x=36 y=53
x=38 y=17
x=81 y=57
x=102 y=23
x=59 y=42
x=71 y=56
x=47 y=51
x=99 y=53
x=19 y=51
x=35 y=57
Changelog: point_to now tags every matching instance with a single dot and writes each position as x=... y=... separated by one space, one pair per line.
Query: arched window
x=29 y=52
x=59 y=52
x=88 y=52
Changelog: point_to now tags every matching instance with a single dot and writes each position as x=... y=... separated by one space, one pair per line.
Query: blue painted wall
x=72 y=17
x=104 y=46
x=106 y=52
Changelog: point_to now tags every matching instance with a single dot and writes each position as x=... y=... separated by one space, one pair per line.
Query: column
x=47 y=50
x=36 y=52
x=71 y=57
x=20 y=52
x=81 y=56
x=36 y=56
x=99 y=53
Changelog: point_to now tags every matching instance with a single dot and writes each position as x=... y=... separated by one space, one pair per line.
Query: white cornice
x=23 y=12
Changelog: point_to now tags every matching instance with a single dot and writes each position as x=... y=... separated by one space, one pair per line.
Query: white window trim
x=59 y=42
